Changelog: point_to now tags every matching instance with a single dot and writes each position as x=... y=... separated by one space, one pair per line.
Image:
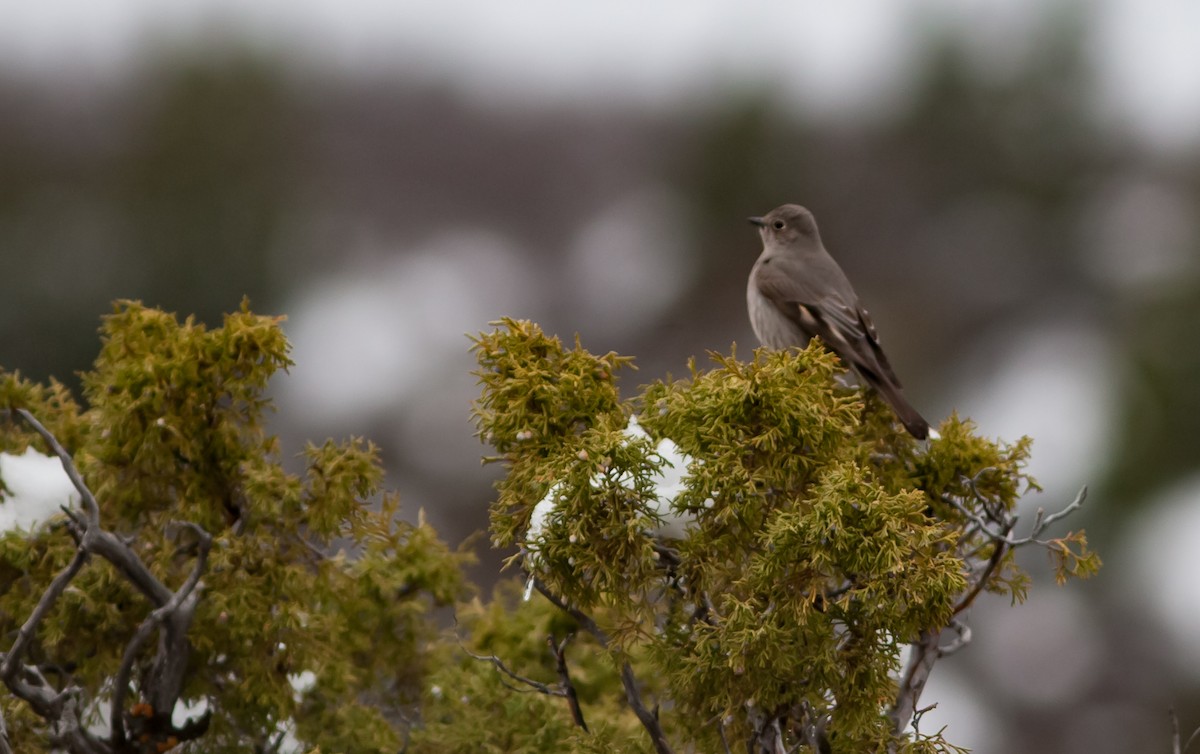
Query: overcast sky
x=853 y=54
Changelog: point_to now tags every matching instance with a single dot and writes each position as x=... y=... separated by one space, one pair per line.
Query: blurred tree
x=205 y=180
x=170 y=188
x=1161 y=406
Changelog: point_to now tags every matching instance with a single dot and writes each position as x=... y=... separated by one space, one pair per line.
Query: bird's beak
x=759 y=221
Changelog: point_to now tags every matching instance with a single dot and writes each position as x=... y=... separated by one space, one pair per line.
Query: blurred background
x=1013 y=185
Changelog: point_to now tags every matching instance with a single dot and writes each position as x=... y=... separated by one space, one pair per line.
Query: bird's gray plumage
x=797 y=291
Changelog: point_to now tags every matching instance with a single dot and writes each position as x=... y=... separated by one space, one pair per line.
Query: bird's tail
x=909 y=416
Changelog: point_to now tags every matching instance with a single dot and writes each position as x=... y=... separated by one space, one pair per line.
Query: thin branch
x=916 y=675
x=984 y=577
x=1180 y=747
x=1191 y=739
x=121 y=684
x=33 y=687
x=925 y=652
x=559 y=650
x=170 y=662
x=89 y=501
x=580 y=617
x=633 y=696
x=1041 y=521
x=919 y=714
x=5 y=746
x=963 y=639
x=724 y=739
x=648 y=719
x=27 y=631
x=538 y=686
x=109 y=546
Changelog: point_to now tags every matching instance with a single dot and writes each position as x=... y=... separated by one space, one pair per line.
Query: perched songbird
x=796 y=291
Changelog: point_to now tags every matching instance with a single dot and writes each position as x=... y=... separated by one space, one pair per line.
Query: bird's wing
x=800 y=296
x=822 y=303
x=885 y=366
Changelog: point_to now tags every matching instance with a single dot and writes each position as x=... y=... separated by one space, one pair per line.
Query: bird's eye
x=778 y=224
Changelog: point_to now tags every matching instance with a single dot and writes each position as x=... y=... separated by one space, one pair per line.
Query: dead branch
x=633 y=696
x=172 y=616
x=559 y=650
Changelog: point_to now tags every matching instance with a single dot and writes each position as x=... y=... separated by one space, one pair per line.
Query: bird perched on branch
x=797 y=291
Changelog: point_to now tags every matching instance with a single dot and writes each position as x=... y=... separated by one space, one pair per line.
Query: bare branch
x=580 y=617
x=648 y=719
x=963 y=639
x=985 y=576
x=919 y=714
x=996 y=527
x=172 y=615
x=633 y=695
x=85 y=494
x=559 y=650
x=565 y=687
x=1191 y=740
x=1180 y=746
x=12 y=658
x=538 y=686
x=170 y=662
x=924 y=654
x=5 y=746
x=121 y=684
x=170 y=651
x=70 y=730
x=1041 y=521
x=109 y=546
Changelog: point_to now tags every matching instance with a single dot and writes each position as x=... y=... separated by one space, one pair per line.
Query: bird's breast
x=771 y=327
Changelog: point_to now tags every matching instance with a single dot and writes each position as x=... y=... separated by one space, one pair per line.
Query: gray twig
x=920 y=664
x=963 y=639
x=1180 y=746
x=559 y=650
x=997 y=528
x=28 y=630
x=1040 y=523
x=173 y=615
x=173 y=648
x=538 y=686
x=5 y=746
x=648 y=719
x=89 y=501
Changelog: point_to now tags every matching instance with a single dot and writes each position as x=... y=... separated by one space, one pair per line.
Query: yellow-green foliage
x=171 y=429
x=470 y=706
x=823 y=539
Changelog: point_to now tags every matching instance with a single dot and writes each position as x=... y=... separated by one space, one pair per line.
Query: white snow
x=668 y=481
x=38 y=487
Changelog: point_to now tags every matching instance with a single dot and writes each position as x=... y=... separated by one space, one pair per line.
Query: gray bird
x=796 y=291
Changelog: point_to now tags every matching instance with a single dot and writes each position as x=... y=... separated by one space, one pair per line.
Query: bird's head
x=786 y=225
